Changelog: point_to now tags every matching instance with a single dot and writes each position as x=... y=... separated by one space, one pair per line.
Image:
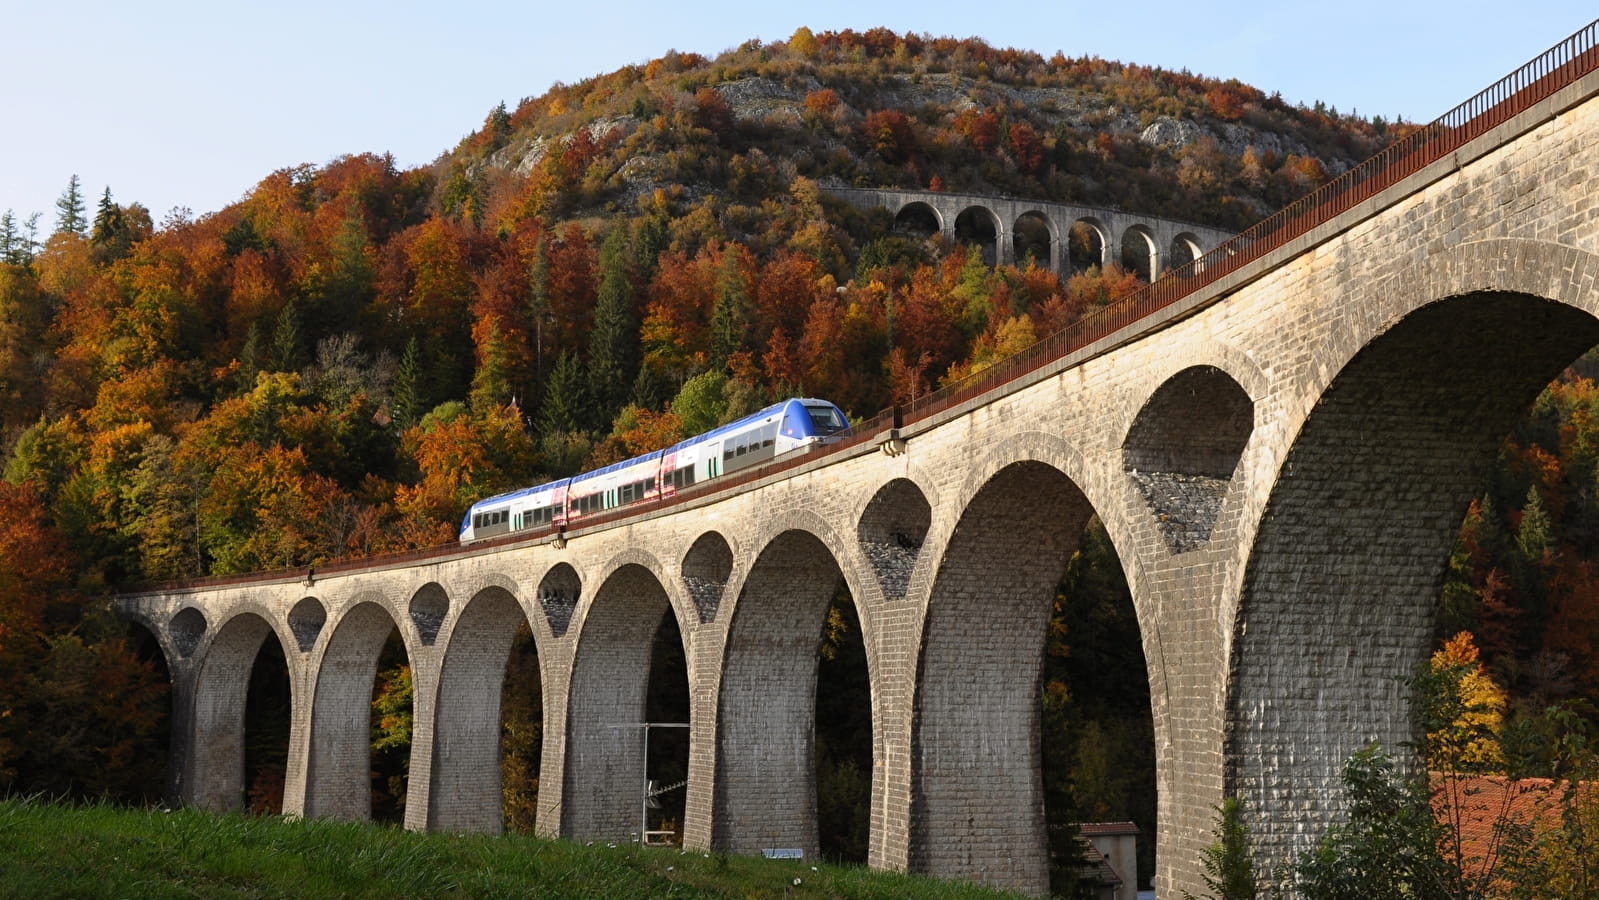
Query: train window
x=825 y=419
x=649 y=484
x=728 y=453
x=627 y=493
x=741 y=450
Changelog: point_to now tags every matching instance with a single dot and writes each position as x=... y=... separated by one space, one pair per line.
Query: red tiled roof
x=1477 y=804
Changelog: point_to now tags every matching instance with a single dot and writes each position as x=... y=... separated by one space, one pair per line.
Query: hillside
x=877 y=109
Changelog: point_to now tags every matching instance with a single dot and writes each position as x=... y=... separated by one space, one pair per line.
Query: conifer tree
x=10 y=237
x=286 y=340
x=730 y=316
x=70 y=210
x=564 y=400
x=107 y=220
x=408 y=400
x=613 y=344
x=249 y=359
x=538 y=303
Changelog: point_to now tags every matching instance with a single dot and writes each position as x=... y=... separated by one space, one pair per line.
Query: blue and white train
x=778 y=429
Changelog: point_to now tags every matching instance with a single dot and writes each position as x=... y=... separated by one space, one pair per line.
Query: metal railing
x=1558 y=67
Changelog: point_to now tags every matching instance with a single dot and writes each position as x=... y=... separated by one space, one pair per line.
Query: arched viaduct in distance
x=1016 y=229
x=1281 y=457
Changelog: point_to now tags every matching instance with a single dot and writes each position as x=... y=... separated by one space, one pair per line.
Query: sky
x=190 y=103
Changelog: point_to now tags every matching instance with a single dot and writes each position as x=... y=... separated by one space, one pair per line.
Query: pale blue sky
x=191 y=102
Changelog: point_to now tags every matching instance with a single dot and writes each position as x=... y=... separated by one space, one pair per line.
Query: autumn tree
x=889 y=135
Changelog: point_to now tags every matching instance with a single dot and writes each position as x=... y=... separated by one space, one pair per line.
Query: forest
x=339 y=364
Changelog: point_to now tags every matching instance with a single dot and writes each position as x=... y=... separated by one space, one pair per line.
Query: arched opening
x=770 y=741
x=268 y=707
x=843 y=736
x=522 y=732
x=161 y=777
x=667 y=704
x=305 y=622
x=1183 y=448
x=1184 y=250
x=1341 y=590
x=1011 y=747
x=1032 y=240
x=1139 y=253
x=977 y=227
x=187 y=628
x=1085 y=246
x=237 y=675
x=429 y=606
x=1096 y=727
x=891 y=532
x=559 y=592
x=706 y=568
x=390 y=718
x=616 y=670
x=363 y=679
x=466 y=790
x=918 y=220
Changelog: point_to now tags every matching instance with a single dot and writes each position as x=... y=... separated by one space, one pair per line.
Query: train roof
x=593 y=473
x=740 y=423
x=522 y=492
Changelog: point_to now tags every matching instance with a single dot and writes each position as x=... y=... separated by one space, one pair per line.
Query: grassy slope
x=104 y=851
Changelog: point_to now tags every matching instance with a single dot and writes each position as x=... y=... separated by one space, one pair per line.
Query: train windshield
x=826 y=420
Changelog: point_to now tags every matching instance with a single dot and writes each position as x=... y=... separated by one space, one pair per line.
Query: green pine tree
x=408 y=403
x=613 y=343
x=70 y=210
x=286 y=351
x=565 y=400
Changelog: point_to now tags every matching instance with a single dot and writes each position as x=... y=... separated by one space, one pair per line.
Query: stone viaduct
x=1147 y=245
x=1281 y=452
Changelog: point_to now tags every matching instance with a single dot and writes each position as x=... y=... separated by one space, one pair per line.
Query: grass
x=49 y=850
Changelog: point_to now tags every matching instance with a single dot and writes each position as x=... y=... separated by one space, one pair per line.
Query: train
x=799 y=423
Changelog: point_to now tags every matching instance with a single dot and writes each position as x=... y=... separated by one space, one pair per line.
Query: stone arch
x=1339 y=593
x=706 y=568
x=559 y=592
x=891 y=532
x=429 y=607
x=979 y=226
x=1183 y=448
x=221 y=688
x=306 y=620
x=337 y=776
x=1139 y=254
x=609 y=683
x=1185 y=249
x=465 y=787
x=1087 y=245
x=918 y=219
x=187 y=629
x=1034 y=237
x=765 y=758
